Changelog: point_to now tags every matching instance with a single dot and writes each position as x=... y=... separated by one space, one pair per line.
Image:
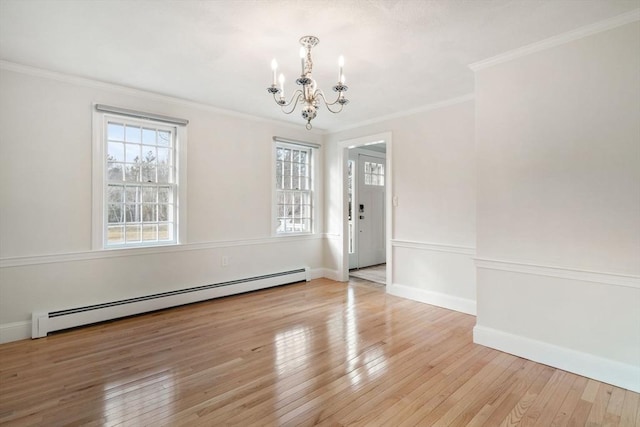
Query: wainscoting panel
x=581 y=321
x=437 y=274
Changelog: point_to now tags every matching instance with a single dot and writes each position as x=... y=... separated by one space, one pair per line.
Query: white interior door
x=370 y=211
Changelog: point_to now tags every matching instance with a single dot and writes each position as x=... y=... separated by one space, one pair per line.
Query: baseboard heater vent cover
x=44 y=322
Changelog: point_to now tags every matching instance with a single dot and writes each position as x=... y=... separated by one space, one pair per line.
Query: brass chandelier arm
x=319 y=94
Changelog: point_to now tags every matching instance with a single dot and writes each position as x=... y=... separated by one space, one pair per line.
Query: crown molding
x=405 y=113
x=579 y=33
x=97 y=84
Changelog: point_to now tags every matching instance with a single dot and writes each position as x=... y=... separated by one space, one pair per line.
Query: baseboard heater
x=44 y=322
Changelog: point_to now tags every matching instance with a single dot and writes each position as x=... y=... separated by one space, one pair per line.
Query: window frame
x=100 y=180
x=312 y=149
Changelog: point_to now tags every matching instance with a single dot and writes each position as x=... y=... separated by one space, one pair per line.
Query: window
x=294 y=189
x=140 y=182
x=373 y=173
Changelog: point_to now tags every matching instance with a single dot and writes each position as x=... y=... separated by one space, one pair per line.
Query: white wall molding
x=125 y=252
x=439 y=299
x=629 y=281
x=599 y=368
x=15 y=331
x=96 y=84
x=405 y=113
x=462 y=250
x=608 y=24
x=331 y=274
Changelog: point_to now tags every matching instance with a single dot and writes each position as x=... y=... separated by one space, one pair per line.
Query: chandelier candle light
x=309 y=94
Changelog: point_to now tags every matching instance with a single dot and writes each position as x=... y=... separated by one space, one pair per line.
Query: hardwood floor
x=320 y=353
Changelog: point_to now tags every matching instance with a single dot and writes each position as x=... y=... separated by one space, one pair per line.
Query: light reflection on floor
x=137 y=395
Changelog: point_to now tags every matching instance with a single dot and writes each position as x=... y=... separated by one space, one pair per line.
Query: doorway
x=366 y=209
x=344 y=147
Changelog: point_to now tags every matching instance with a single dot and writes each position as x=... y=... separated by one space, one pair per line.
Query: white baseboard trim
x=315 y=273
x=331 y=274
x=15 y=331
x=585 y=364
x=439 y=299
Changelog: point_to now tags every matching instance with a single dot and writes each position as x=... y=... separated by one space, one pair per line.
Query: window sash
x=294 y=189
x=140 y=189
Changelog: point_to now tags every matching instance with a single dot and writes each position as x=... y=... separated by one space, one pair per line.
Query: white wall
x=433 y=230
x=558 y=154
x=46 y=260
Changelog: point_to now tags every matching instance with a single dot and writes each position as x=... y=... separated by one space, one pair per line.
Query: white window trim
x=315 y=176
x=98 y=180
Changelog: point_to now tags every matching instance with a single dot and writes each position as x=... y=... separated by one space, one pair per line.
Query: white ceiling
x=399 y=55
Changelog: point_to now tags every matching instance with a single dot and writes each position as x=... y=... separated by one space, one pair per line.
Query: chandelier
x=309 y=95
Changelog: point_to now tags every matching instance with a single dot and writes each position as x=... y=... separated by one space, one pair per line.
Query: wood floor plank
x=318 y=353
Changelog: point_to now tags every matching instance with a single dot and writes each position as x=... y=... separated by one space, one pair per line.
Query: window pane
x=164 y=212
x=115 y=234
x=132 y=134
x=132 y=194
x=381 y=180
x=149 y=194
x=115 y=132
x=164 y=174
x=150 y=232
x=367 y=179
x=164 y=195
x=149 y=154
x=148 y=173
x=114 y=171
x=295 y=155
x=165 y=232
x=148 y=136
x=114 y=213
x=163 y=156
x=149 y=213
x=115 y=152
x=115 y=193
x=133 y=153
x=287 y=154
x=164 y=138
x=367 y=167
x=132 y=173
x=132 y=212
x=133 y=233
x=374 y=179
